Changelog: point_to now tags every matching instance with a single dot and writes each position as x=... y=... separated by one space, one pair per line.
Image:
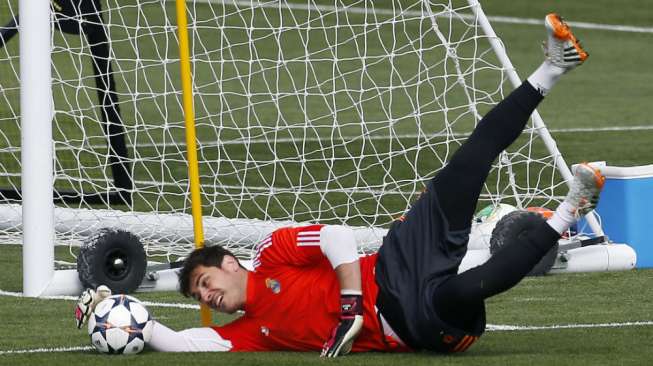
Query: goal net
x=306 y=111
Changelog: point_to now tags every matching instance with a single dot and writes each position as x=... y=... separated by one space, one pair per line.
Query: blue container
x=626 y=209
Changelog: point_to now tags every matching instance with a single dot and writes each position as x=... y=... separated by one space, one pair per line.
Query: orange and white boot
x=582 y=198
x=585 y=189
x=561 y=48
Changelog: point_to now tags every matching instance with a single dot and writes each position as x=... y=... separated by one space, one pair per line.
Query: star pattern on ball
x=102 y=324
x=135 y=329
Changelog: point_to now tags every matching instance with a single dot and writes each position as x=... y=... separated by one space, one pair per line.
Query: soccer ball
x=493 y=213
x=483 y=224
x=120 y=324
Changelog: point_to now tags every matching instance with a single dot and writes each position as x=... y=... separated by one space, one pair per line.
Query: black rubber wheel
x=514 y=226
x=114 y=258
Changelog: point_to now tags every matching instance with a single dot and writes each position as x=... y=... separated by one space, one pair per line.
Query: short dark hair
x=205 y=256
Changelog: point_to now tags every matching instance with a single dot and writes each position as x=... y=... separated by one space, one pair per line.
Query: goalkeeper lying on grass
x=310 y=291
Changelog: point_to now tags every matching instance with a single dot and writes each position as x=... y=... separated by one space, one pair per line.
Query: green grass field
x=574 y=300
x=604 y=98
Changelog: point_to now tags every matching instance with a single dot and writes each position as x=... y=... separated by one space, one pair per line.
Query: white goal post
x=306 y=111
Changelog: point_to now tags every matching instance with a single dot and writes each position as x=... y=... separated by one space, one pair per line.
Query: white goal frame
x=38 y=224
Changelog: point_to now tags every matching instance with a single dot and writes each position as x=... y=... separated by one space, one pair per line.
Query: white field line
x=46 y=350
x=412 y=136
x=506 y=327
x=490 y=328
x=74 y=298
x=409 y=136
x=380 y=11
x=647 y=127
x=241 y=141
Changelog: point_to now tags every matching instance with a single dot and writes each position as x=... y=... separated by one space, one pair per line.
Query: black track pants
x=458 y=186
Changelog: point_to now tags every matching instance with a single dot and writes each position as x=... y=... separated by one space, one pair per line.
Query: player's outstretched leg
x=514 y=261
x=416 y=266
x=459 y=184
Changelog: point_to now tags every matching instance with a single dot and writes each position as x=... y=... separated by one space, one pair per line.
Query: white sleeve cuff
x=338 y=244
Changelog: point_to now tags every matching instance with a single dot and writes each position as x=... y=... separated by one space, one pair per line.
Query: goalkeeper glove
x=351 y=322
x=87 y=301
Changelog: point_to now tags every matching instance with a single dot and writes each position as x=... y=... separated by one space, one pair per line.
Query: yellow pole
x=191 y=146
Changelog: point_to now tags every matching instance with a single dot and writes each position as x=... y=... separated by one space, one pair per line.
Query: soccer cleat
x=561 y=48
x=585 y=189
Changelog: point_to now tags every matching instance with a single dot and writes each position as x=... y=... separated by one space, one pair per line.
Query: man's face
x=222 y=289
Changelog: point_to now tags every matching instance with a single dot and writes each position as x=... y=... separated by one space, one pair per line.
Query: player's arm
x=165 y=339
x=349 y=276
x=339 y=246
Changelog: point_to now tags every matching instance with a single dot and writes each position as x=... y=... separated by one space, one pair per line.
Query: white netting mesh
x=318 y=111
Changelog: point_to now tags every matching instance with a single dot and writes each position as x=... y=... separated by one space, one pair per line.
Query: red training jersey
x=293 y=298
